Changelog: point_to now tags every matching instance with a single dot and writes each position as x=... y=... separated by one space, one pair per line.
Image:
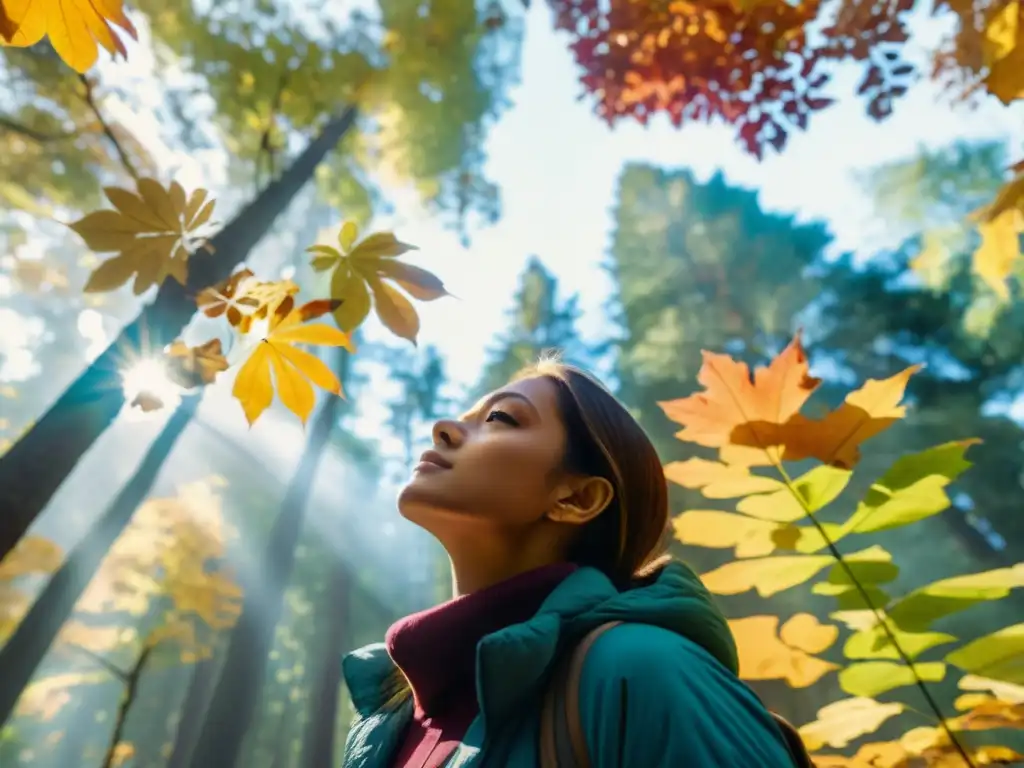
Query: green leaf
x=874 y=643
x=999 y=656
x=871 y=678
x=351 y=290
x=347 y=236
x=817 y=488
x=912 y=489
x=920 y=608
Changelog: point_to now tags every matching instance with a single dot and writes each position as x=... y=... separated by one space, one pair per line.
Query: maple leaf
x=836 y=438
x=371 y=267
x=194 y=366
x=735 y=405
x=293 y=369
x=75 y=27
x=152 y=233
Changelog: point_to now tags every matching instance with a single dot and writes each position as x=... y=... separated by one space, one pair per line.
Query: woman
x=552 y=505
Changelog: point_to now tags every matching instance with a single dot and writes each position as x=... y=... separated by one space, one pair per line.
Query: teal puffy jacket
x=659 y=690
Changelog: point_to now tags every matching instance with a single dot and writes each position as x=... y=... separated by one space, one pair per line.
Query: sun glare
x=147 y=382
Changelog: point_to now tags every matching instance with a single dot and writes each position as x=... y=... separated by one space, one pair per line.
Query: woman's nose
x=448 y=433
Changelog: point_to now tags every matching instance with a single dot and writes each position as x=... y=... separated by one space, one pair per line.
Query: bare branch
x=107 y=130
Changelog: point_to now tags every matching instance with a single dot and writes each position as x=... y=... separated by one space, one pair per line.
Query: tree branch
x=30 y=133
x=107 y=130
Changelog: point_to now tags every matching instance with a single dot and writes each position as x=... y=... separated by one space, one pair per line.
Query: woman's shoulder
x=640 y=650
x=641 y=682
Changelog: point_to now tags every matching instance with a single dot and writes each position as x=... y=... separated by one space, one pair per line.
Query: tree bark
x=318 y=741
x=238 y=690
x=25 y=649
x=35 y=466
x=193 y=708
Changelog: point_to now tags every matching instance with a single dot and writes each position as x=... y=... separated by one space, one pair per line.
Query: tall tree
x=540 y=320
x=700 y=265
x=420 y=400
x=427 y=96
x=25 y=649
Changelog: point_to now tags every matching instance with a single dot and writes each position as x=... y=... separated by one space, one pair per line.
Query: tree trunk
x=238 y=690
x=33 y=637
x=193 y=708
x=35 y=466
x=318 y=741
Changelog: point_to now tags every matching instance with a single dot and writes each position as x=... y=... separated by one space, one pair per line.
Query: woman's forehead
x=538 y=392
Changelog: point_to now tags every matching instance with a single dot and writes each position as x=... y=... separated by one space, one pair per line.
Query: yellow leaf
x=380 y=245
x=150 y=232
x=193 y=366
x=293 y=369
x=767 y=575
x=805 y=632
x=711 y=528
x=347 y=236
x=844 y=721
x=74 y=27
x=765 y=655
x=717 y=480
x=999 y=250
x=254 y=388
x=293 y=388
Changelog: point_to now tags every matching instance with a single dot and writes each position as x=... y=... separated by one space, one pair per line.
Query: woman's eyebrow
x=502 y=395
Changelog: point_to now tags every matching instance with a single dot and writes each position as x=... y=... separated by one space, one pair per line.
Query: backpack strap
x=563 y=743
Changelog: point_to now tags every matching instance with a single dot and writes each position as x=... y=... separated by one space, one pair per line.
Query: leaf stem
x=862 y=591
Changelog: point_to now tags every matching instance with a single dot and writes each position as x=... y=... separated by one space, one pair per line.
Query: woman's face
x=499 y=464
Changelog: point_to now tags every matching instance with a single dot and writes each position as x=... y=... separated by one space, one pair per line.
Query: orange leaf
x=866 y=412
x=193 y=366
x=735 y=405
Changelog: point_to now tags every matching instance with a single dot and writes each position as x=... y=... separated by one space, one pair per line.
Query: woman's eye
x=502 y=416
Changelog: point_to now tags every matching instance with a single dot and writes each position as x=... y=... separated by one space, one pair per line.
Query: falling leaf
x=765 y=655
x=366 y=273
x=194 y=366
x=222 y=298
x=76 y=27
x=735 y=408
x=1003 y=52
x=843 y=721
x=293 y=369
x=152 y=233
x=266 y=299
x=717 y=480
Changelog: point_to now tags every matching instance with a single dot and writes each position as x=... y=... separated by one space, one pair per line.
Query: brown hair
x=627 y=541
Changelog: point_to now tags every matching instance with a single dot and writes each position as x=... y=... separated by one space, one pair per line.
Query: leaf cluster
x=780 y=540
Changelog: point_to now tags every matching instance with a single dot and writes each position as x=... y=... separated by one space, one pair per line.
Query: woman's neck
x=478 y=565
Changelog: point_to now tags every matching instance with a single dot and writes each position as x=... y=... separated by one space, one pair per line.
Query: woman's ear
x=581 y=500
